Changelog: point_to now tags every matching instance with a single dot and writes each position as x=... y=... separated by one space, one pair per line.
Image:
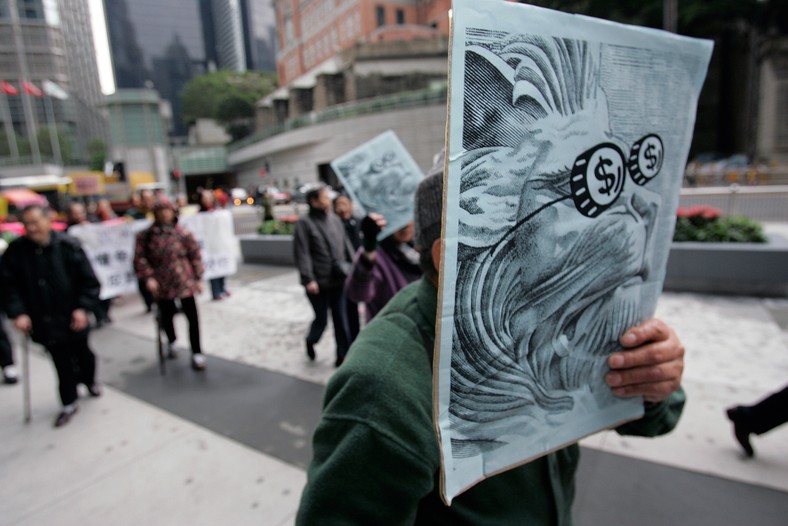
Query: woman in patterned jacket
x=167 y=258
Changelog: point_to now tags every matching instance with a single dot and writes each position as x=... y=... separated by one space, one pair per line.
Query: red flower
x=699 y=212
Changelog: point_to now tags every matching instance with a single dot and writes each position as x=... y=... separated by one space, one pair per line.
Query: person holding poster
x=322 y=255
x=376 y=455
x=218 y=286
x=380 y=270
x=51 y=287
x=168 y=258
x=75 y=216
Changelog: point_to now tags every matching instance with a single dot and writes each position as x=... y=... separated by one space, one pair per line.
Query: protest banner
x=381 y=177
x=215 y=233
x=110 y=248
x=567 y=141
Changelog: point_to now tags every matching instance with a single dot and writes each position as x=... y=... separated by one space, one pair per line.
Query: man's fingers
x=648 y=331
x=649 y=354
x=664 y=372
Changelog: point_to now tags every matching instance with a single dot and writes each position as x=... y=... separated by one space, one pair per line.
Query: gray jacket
x=318 y=240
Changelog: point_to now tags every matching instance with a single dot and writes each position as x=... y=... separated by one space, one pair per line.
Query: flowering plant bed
x=725 y=255
x=707 y=224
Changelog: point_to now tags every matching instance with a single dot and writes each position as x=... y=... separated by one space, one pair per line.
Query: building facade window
x=400 y=17
x=380 y=15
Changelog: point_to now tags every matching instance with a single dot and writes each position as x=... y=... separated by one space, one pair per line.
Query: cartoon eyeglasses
x=598 y=175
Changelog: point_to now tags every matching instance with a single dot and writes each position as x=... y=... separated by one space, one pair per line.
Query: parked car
x=279 y=197
x=300 y=195
x=239 y=196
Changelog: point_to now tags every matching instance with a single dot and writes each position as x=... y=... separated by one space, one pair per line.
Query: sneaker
x=198 y=362
x=310 y=351
x=65 y=416
x=172 y=352
x=10 y=374
x=94 y=390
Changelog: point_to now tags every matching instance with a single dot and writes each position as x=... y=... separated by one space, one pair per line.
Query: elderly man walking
x=323 y=254
x=51 y=287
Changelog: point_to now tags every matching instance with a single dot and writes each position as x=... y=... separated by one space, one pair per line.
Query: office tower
x=228 y=35
x=162 y=44
x=259 y=28
x=51 y=40
x=157 y=44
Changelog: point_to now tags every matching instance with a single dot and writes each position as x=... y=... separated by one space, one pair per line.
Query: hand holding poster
x=568 y=138
x=381 y=177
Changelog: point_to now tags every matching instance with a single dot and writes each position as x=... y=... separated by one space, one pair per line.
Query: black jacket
x=48 y=284
x=319 y=240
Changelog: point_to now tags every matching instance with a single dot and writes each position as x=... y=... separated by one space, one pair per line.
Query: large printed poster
x=567 y=142
x=381 y=177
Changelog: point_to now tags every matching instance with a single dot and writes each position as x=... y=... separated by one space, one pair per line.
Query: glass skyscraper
x=157 y=44
x=162 y=44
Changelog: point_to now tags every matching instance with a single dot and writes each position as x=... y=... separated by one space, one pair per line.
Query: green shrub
x=706 y=224
x=273 y=227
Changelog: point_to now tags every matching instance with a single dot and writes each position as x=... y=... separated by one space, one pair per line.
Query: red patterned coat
x=171 y=256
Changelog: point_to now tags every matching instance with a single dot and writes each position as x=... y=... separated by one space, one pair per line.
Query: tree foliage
x=225 y=96
x=97 y=153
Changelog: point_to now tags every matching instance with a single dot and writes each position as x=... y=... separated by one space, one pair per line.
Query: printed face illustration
x=385 y=183
x=555 y=221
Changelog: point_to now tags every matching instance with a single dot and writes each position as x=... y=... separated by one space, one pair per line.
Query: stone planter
x=269 y=250
x=751 y=269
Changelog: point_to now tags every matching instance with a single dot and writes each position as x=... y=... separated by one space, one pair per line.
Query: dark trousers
x=6 y=354
x=75 y=364
x=217 y=287
x=353 y=322
x=167 y=310
x=102 y=310
x=147 y=297
x=767 y=414
x=329 y=298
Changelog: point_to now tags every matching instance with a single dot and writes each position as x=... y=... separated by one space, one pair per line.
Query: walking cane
x=26 y=375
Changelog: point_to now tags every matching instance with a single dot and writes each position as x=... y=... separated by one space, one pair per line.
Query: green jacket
x=376 y=458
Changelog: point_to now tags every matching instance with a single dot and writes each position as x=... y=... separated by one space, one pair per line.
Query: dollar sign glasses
x=598 y=174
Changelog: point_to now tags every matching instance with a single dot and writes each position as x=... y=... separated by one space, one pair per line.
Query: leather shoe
x=741 y=430
x=65 y=417
x=94 y=390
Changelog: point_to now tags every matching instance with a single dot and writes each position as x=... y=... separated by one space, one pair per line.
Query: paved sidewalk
x=230 y=445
